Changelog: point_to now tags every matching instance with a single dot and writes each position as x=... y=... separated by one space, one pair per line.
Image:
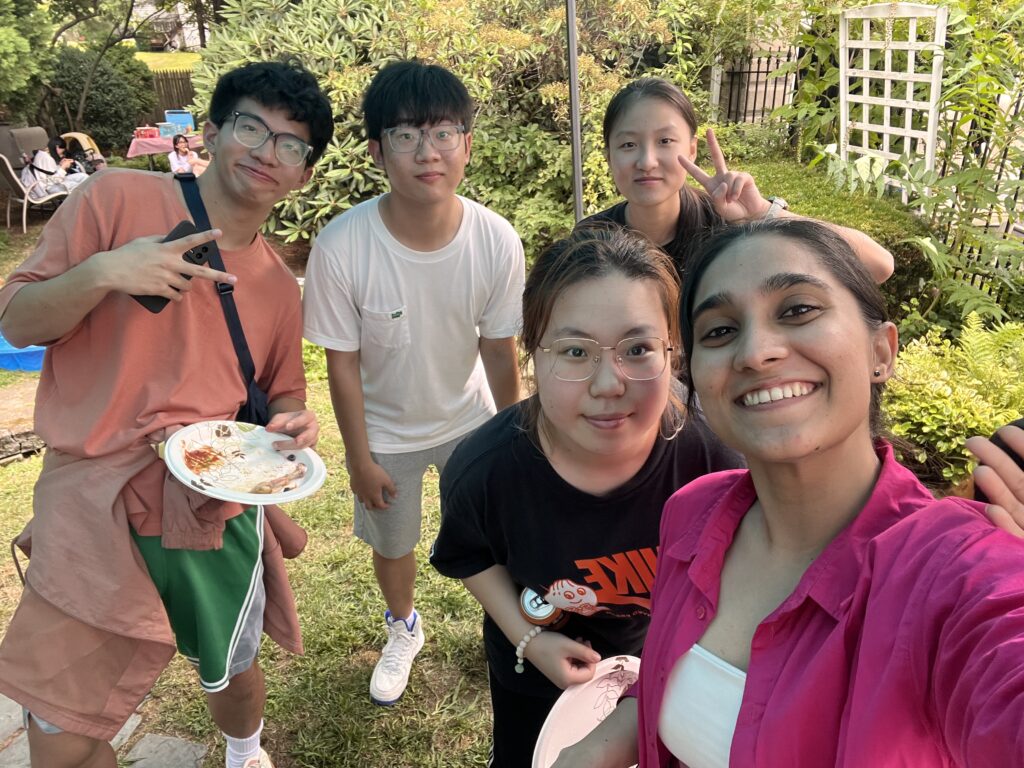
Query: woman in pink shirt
x=819 y=608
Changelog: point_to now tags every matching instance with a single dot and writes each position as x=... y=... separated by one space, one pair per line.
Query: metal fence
x=173 y=91
x=745 y=89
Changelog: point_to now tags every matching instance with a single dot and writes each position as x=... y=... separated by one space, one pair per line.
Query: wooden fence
x=173 y=91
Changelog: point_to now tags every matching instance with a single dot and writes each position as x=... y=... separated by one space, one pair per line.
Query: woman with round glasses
x=550 y=511
x=184 y=159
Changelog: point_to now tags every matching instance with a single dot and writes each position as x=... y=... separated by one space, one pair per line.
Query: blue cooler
x=27 y=359
x=181 y=118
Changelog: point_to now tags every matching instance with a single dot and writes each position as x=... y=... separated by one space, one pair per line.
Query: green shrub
x=120 y=95
x=744 y=142
x=946 y=391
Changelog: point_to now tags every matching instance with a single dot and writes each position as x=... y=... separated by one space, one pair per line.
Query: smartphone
x=198 y=255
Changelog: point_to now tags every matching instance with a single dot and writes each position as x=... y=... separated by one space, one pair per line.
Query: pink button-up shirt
x=902 y=645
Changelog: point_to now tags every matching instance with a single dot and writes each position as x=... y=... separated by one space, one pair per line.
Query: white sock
x=240 y=750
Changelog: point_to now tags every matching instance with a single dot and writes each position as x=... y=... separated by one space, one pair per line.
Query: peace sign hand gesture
x=734 y=194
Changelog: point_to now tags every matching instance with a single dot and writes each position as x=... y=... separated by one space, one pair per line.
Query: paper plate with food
x=234 y=461
x=581 y=708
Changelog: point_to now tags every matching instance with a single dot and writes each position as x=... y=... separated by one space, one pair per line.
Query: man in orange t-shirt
x=115 y=542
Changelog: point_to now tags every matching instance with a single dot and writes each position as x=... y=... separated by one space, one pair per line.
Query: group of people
x=699 y=474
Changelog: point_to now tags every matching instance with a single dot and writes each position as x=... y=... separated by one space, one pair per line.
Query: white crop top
x=699 y=711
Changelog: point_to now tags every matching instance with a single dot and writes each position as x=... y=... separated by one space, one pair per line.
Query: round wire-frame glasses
x=639 y=358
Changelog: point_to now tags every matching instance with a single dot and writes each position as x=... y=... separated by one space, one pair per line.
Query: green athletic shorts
x=214 y=598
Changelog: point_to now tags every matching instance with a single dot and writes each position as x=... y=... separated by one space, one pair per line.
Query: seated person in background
x=89 y=159
x=185 y=160
x=51 y=171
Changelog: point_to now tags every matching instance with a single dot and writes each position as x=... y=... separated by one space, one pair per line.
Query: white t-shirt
x=416 y=319
x=181 y=164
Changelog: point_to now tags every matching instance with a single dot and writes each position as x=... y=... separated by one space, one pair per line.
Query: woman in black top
x=554 y=504
x=650 y=138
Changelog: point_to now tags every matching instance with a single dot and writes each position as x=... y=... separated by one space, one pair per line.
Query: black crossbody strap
x=224 y=290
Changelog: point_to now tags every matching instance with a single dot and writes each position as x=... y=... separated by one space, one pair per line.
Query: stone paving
x=150 y=751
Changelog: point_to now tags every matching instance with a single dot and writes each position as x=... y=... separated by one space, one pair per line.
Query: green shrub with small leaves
x=946 y=391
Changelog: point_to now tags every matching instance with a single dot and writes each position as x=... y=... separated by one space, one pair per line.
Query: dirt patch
x=295 y=255
x=17 y=403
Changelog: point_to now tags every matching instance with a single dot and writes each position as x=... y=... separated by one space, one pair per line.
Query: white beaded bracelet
x=521 y=648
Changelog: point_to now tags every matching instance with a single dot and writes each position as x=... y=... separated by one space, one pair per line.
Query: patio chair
x=19 y=193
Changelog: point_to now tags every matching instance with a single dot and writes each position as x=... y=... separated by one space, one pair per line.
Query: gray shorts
x=395 y=531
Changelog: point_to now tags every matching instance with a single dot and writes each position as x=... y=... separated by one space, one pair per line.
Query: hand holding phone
x=196 y=255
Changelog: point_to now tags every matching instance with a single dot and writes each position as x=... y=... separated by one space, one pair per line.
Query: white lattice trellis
x=890 y=78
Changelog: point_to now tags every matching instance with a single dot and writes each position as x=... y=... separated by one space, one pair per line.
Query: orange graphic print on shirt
x=622 y=579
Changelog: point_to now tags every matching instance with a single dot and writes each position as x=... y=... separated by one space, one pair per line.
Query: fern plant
x=946 y=391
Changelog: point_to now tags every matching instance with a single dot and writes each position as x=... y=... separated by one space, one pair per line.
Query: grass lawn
x=162 y=62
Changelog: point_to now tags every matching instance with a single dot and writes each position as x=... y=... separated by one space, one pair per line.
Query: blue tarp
x=27 y=359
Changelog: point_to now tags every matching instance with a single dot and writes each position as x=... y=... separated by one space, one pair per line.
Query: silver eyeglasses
x=250 y=131
x=444 y=138
x=640 y=358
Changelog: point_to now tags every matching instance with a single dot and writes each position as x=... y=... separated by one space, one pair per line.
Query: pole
x=574 y=110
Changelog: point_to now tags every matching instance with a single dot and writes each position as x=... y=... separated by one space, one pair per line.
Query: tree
x=24 y=38
x=119 y=94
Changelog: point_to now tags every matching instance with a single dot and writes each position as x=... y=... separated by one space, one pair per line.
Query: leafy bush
x=946 y=391
x=24 y=32
x=121 y=94
x=743 y=142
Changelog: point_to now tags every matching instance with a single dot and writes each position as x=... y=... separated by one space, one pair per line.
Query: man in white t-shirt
x=416 y=296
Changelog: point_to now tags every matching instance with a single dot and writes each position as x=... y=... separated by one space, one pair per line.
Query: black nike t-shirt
x=594 y=557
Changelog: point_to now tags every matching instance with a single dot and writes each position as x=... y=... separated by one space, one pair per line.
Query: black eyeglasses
x=250 y=131
x=444 y=138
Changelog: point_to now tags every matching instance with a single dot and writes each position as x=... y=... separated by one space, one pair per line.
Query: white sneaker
x=391 y=674
x=263 y=761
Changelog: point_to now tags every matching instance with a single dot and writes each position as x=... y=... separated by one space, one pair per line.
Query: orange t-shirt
x=125 y=372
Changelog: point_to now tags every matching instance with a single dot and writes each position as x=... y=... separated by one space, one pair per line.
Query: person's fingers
x=391 y=488
x=1004 y=520
x=696 y=172
x=999 y=493
x=737 y=184
x=205 y=273
x=717 y=158
x=999 y=461
x=182 y=244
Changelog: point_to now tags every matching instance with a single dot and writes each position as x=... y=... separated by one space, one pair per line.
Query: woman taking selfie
x=650 y=140
x=820 y=608
x=550 y=511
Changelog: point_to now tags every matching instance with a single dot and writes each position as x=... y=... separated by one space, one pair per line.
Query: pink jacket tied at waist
x=85 y=565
